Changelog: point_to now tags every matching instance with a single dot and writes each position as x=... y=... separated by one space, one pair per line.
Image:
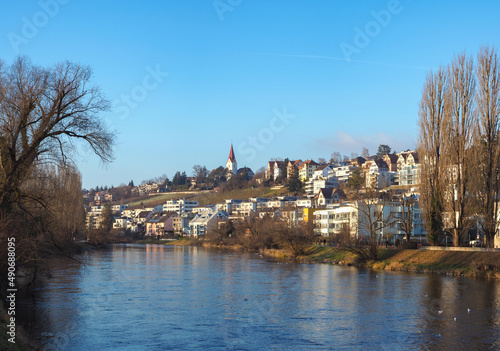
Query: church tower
x=231 y=164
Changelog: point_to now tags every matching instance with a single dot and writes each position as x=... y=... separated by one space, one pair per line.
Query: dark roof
x=381 y=163
x=392 y=157
x=415 y=156
x=329 y=192
x=144 y=214
x=231 y=154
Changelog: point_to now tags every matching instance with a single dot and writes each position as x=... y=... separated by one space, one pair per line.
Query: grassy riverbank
x=459 y=263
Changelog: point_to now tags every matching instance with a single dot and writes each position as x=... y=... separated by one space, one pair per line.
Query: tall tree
x=432 y=116
x=487 y=139
x=459 y=129
x=294 y=184
x=284 y=169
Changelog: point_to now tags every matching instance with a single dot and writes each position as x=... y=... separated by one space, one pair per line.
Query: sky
x=285 y=78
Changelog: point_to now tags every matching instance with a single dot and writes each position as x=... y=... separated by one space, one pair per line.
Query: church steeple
x=231 y=164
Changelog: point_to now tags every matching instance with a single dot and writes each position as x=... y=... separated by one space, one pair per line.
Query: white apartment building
x=408 y=174
x=330 y=221
x=342 y=173
x=312 y=186
x=203 y=222
x=180 y=206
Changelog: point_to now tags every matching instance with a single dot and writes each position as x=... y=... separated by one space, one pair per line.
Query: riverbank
x=456 y=263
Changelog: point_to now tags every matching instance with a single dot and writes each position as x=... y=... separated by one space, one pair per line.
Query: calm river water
x=153 y=297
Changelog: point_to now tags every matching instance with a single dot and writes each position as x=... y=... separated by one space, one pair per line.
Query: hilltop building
x=231 y=165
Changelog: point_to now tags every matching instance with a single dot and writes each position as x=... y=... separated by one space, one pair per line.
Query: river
x=155 y=297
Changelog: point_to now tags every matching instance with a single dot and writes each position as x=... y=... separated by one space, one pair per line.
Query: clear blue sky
x=234 y=69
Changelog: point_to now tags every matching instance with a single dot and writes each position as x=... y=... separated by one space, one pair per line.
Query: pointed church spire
x=231 y=154
x=231 y=164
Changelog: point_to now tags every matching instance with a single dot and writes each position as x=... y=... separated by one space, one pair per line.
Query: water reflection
x=161 y=297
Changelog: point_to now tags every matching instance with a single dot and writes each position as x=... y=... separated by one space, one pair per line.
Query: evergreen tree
x=356 y=180
x=284 y=167
x=294 y=184
x=107 y=218
x=383 y=150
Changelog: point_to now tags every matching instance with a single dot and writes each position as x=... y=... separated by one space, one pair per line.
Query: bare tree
x=459 y=131
x=336 y=157
x=201 y=173
x=487 y=140
x=43 y=112
x=407 y=218
x=430 y=147
x=373 y=216
x=365 y=153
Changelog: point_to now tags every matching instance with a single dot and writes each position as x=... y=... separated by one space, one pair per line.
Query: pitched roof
x=329 y=192
x=231 y=154
x=320 y=168
x=392 y=157
x=415 y=156
x=381 y=163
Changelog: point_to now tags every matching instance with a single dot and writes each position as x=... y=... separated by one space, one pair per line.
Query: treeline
x=44 y=113
x=254 y=234
x=459 y=148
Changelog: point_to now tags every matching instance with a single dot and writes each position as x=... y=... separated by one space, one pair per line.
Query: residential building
x=308 y=214
x=118 y=208
x=304 y=202
x=378 y=175
x=306 y=169
x=273 y=170
x=143 y=216
x=202 y=223
x=322 y=172
x=331 y=222
x=408 y=175
x=181 y=223
x=121 y=223
x=312 y=186
x=327 y=196
x=160 y=224
x=357 y=162
x=296 y=164
x=354 y=216
x=180 y=206
x=392 y=162
x=342 y=173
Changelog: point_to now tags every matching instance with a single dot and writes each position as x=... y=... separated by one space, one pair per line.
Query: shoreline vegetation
x=471 y=264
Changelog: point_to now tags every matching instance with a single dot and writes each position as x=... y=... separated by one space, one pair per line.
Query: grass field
x=208 y=197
